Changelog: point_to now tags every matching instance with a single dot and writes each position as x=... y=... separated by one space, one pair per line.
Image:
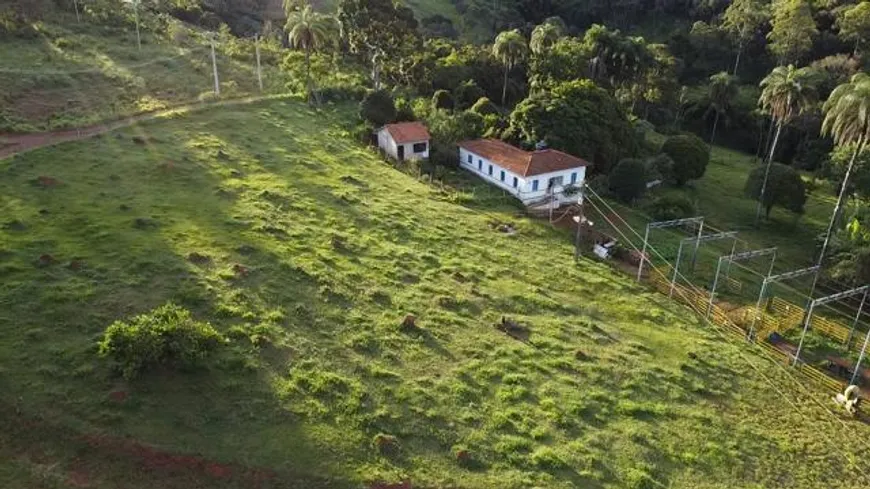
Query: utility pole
x=579 y=219
x=217 y=84
x=259 y=73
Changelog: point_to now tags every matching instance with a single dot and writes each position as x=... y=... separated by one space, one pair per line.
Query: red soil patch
x=47 y=182
x=154 y=459
x=118 y=396
x=241 y=271
x=78 y=478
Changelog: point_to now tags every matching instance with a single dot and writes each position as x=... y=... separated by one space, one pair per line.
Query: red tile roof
x=407 y=132
x=521 y=162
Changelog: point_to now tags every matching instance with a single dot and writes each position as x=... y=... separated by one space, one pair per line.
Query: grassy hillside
x=61 y=73
x=308 y=251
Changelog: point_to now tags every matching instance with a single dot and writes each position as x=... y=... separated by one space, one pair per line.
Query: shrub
x=669 y=207
x=442 y=100
x=167 y=336
x=404 y=110
x=386 y=445
x=660 y=167
x=466 y=94
x=785 y=188
x=690 y=156
x=378 y=108
x=627 y=181
x=484 y=107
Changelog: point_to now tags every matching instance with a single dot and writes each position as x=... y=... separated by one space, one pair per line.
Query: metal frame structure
x=667 y=224
x=746 y=255
x=773 y=279
x=697 y=240
x=831 y=298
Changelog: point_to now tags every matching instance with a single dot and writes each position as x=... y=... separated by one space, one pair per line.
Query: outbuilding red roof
x=522 y=162
x=408 y=132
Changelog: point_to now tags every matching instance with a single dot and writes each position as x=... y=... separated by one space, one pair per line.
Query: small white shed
x=404 y=140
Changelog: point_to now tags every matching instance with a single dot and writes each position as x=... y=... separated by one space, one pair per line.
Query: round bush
x=628 y=179
x=166 y=337
x=378 y=108
x=669 y=207
x=690 y=156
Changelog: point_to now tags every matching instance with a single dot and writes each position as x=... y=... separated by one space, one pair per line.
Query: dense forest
x=780 y=79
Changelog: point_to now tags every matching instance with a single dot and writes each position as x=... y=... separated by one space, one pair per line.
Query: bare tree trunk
x=308 y=73
x=715 y=124
x=767 y=171
x=737 y=61
x=76 y=6
x=138 y=37
x=504 y=85
x=840 y=197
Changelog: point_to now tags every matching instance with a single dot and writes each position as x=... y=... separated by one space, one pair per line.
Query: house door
x=401 y=152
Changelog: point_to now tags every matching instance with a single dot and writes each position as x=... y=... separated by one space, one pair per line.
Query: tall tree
x=379 y=31
x=309 y=31
x=847 y=119
x=544 y=36
x=854 y=23
x=509 y=49
x=793 y=30
x=785 y=93
x=723 y=91
x=742 y=20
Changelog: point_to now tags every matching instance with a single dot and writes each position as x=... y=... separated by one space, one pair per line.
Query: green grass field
x=74 y=74
x=315 y=251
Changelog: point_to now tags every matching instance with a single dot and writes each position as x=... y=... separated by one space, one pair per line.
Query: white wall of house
x=390 y=147
x=524 y=188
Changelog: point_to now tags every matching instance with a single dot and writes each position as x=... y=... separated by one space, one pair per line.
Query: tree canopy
x=579 y=118
x=785 y=188
x=689 y=155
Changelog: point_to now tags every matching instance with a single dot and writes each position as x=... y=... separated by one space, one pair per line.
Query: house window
x=470 y=159
x=516 y=182
x=419 y=147
x=574 y=177
x=534 y=185
x=502 y=175
x=554 y=182
x=490 y=170
x=480 y=165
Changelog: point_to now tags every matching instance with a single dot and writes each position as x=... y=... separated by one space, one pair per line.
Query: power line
x=740 y=353
x=721 y=333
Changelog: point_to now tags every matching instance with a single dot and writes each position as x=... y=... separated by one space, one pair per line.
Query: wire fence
x=750 y=321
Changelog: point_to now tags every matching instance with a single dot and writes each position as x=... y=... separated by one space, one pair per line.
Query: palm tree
x=723 y=90
x=785 y=93
x=543 y=36
x=308 y=30
x=509 y=49
x=847 y=119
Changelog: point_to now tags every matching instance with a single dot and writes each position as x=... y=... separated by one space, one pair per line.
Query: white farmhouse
x=404 y=140
x=532 y=176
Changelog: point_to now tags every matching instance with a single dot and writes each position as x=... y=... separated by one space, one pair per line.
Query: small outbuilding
x=534 y=177
x=404 y=140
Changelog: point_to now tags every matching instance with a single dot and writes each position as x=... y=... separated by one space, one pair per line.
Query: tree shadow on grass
x=90 y=217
